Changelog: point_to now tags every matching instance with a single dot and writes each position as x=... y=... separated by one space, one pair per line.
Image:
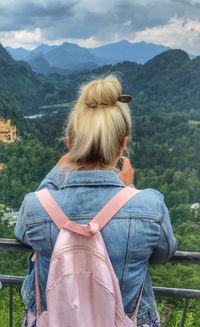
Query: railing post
x=166 y=316
x=11 y=304
x=185 y=309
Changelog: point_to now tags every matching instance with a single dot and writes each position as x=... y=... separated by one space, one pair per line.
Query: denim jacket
x=139 y=234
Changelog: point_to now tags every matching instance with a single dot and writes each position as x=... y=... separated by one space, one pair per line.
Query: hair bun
x=101 y=92
x=97 y=135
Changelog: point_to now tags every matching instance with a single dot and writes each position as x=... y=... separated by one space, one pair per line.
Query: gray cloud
x=194 y=3
x=104 y=24
x=32 y=14
x=104 y=20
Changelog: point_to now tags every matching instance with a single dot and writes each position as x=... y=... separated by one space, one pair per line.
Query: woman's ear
x=68 y=142
x=123 y=145
x=126 y=140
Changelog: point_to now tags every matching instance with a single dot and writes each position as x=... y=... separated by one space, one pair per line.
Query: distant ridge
x=139 y=52
x=69 y=56
x=18 y=53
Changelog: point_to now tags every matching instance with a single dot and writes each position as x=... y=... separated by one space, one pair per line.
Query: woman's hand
x=127 y=173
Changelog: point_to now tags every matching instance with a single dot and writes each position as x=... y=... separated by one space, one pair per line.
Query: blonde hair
x=98 y=124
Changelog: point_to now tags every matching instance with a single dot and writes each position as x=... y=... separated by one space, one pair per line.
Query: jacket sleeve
x=167 y=244
x=52 y=181
x=20 y=227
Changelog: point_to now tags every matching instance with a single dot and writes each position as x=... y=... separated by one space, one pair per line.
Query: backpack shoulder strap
x=113 y=206
x=52 y=208
x=97 y=223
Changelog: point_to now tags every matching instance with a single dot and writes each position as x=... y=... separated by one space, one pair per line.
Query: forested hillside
x=164 y=150
x=28 y=89
x=168 y=82
x=9 y=109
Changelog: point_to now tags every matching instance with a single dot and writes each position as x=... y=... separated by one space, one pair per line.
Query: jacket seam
x=45 y=218
x=130 y=244
x=126 y=260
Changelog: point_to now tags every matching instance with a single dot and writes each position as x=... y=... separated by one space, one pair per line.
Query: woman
x=97 y=134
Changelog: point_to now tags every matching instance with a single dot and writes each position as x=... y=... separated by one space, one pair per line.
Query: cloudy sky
x=90 y=23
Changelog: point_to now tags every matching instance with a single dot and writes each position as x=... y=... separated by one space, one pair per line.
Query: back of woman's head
x=98 y=124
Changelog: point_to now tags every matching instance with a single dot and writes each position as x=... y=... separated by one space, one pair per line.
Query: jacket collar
x=92 y=177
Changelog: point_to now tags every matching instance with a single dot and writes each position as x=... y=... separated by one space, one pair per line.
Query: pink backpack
x=82 y=288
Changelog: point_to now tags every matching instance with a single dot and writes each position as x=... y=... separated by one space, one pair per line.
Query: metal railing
x=179 y=257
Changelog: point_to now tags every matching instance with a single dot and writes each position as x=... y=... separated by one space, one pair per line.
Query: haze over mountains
x=70 y=57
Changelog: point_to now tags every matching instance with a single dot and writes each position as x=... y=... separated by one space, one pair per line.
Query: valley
x=164 y=148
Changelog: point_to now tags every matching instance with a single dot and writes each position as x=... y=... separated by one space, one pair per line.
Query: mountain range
x=69 y=57
x=169 y=81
